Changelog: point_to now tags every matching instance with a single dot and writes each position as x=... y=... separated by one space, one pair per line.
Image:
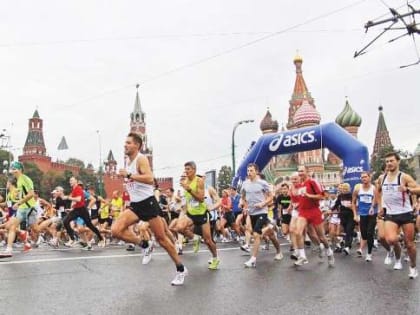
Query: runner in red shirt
x=310 y=193
x=79 y=209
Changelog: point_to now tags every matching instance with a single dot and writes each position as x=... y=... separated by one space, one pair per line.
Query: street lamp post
x=233 y=141
x=100 y=188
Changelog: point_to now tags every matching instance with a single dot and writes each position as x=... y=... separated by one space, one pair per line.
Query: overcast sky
x=201 y=66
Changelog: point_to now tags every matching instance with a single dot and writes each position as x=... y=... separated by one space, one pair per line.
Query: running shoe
x=413 y=273
x=101 y=244
x=196 y=245
x=6 y=253
x=359 y=253
x=301 y=261
x=214 y=264
x=147 y=257
x=294 y=256
x=130 y=248
x=53 y=243
x=250 y=263
x=23 y=235
x=368 y=257
x=321 y=251
x=346 y=251
x=70 y=243
x=398 y=265
x=180 y=277
x=388 y=258
x=330 y=257
x=87 y=247
x=279 y=256
x=246 y=248
x=27 y=247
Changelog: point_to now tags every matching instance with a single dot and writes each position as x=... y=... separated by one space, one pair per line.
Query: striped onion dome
x=306 y=115
x=348 y=117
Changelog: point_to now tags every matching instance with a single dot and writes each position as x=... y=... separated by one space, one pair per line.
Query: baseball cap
x=16 y=165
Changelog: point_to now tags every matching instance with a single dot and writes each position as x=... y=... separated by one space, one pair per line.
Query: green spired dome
x=348 y=117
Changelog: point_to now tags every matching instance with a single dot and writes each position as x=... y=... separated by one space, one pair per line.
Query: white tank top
x=137 y=191
x=395 y=201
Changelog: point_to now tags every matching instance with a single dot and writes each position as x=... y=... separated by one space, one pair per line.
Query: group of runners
x=250 y=215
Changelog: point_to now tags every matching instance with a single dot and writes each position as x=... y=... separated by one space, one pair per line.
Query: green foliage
x=4 y=156
x=378 y=162
x=75 y=162
x=34 y=173
x=224 y=178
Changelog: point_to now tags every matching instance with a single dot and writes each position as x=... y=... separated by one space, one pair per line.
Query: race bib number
x=285 y=211
x=335 y=215
x=366 y=199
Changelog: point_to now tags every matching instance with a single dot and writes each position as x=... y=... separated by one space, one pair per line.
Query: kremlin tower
x=34 y=150
x=137 y=125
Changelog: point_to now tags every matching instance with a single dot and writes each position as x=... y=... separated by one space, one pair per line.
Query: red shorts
x=313 y=216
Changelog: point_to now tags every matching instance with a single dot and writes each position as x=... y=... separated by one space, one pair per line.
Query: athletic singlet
x=208 y=200
x=194 y=207
x=138 y=191
x=394 y=200
x=364 y=200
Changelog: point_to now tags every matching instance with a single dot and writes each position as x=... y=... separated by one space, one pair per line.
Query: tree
x=34 y=173
x=5 y=158
x=75 y=162
x=378 y=162
x=224 y=178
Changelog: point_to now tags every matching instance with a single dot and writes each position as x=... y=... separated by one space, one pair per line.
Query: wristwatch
x=128 y=175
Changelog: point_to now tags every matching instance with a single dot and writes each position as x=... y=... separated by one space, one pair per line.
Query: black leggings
x=347 y=222
x=84 y=214
x=367 y=229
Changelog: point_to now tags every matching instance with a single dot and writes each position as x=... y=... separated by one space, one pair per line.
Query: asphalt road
x=113 y=281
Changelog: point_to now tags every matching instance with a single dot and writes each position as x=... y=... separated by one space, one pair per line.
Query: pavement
x=113 y=281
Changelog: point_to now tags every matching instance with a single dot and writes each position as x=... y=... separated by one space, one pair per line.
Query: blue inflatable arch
x=354 y=154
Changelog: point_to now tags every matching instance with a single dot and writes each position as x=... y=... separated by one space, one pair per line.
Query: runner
x=256 y=193
x=394 y=190
x=309 y=213
x=24 y=206
x=365 y=201
x=197 y=212
x=143 y=204
x=79 y=209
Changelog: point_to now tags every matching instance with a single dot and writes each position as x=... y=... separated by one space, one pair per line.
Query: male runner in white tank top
x=143 y=204
x=394 y=188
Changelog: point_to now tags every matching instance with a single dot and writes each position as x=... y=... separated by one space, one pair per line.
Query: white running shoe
x=250 y=264
x=6 y=253
x=180 y=277
x=398 y=265
x=368 y=257
x=388 y=259
x=301 y=261
x=359 y=253
x=413 y=273
x=330 y=257
x=147 y=255
x=246 y=248
x=279 y=256
x=321 y=251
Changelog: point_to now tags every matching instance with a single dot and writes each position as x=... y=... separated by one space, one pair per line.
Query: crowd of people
x=338 y=220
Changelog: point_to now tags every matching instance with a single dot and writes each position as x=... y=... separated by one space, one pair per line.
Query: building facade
x=325 y=166
x=34 y=150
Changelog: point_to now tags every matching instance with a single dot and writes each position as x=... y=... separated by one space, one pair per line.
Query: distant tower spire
x=138 y=125
x=34 y=144
x=382 y=138
x=300 y=93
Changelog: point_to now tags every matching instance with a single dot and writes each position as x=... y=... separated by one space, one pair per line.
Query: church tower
x=382 y=138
